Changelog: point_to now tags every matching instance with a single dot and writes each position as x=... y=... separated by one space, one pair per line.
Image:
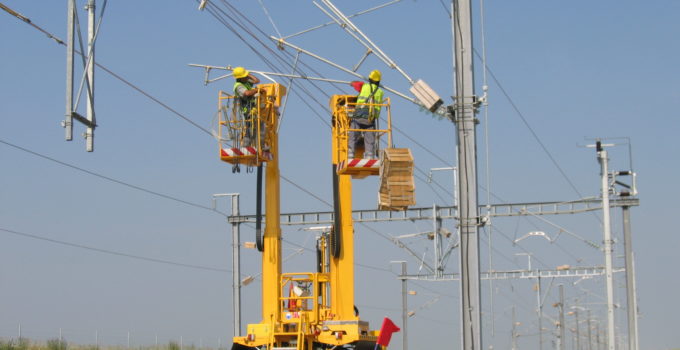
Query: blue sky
x=574 y=70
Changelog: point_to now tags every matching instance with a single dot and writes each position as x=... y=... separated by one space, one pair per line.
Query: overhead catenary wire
x=266 y=12
x=192 y=122
x=154 y=192
x=108 y=178
x=141 y=91
x=531 y=130
x=175 y=112
x=216 y=13
x=29 y=22
x=350 y=16
x=207 y=132
x=246 y=28
x=254 y=25
x=140 y=189
x=61 y=42
x=113 y=252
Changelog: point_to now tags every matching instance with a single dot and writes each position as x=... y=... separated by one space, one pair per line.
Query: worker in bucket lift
x=246 y=93
x=365 y=115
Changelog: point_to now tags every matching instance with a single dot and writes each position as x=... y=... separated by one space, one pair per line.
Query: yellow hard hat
x=240 y=72
x=375 y=75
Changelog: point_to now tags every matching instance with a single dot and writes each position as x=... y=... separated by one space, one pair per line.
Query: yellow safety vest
x=370 y=93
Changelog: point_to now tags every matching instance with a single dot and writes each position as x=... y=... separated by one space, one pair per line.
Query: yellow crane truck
x=309 y=310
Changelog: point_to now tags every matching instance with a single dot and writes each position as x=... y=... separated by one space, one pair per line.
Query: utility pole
x=404 y=310
x=463 y=115
x=404 y=303
x=561 y=305
x=631 y=297
x=514 y=329
x=236 y=265
x=578 y=335
x=539 y=311
x=608 y=242
x=590 y=336
x=235 y=257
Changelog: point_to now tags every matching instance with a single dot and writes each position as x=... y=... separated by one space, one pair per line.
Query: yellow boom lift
x=309 y=310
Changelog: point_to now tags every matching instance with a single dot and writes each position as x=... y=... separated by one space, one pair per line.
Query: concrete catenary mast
x=608 y=243
x=463 y=114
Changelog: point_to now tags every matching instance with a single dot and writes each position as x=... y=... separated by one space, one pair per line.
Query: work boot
x=350 y=155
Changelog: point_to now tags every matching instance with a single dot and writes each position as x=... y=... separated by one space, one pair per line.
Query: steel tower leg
x=89 y=132
x=70 y=29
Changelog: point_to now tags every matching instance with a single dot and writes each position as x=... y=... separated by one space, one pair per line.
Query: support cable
x=250 y=24
x=199 y=127
x=158 y=194
x=487 y=171
x=216 y=13
x=164 y=106
x=331 y=22
x=245 y=28
x=174 y=112
x=113 y=252
x=28 y=21
x=294 y=68
x=345 y=20
x=531 y=130
x=266 y=12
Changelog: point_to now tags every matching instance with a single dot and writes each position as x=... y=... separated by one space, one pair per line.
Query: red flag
x=388 y=327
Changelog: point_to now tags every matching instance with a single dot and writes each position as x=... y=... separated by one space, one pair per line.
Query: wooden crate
x=397 y=188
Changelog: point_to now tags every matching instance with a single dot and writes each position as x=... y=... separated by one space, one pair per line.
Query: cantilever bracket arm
x=280 y=41
x=90 y=124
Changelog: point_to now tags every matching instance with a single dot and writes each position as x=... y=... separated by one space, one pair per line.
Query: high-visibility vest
x=365 y=97
x=247 y=85
x=245 y=101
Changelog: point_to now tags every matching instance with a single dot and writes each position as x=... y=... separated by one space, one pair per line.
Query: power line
x=61 y=42
x=246 y=29
x=208 y=132
x=311 y=250
x=110 y=178
x=112 y=252
x=427 y=149
x=154 y=99
x=531 y=130
x=29 y=22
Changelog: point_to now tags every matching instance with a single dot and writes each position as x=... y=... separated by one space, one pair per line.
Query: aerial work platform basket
x=394 y=166
x=247 y=133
